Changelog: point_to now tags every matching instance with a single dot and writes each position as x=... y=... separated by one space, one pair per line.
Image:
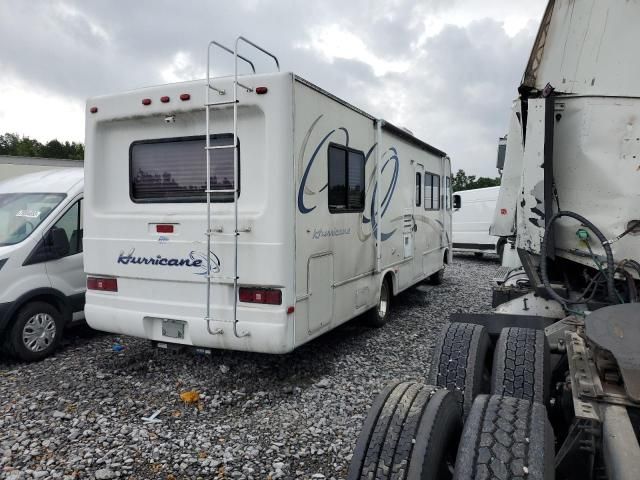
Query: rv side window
x=447 y=193
x=174 y=170
x=418 y=189
x=431 y=191
x=346 y=179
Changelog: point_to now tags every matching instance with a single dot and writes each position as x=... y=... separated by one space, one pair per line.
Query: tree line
x=462 y=181
x=15 y=145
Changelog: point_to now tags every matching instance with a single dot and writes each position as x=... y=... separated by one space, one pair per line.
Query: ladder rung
x=218 y=147
x=215 y=104
x=222 y=234
x=221 y=277
x=220 y=191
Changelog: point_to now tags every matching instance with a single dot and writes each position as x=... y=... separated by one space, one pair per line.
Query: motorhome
x=42 y=281
x=472 y=217
x=254 y=212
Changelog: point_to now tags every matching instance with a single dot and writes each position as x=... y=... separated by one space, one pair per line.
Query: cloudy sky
x=446 y=69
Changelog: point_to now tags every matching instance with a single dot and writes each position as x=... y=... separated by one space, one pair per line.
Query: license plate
x=173 y=328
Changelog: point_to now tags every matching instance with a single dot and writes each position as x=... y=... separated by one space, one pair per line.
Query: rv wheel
x=378 y=316
x=36 y=331
x=461 y=361
x=438 y=277
x=521 y=365
x=411 y=432
x=506 y=437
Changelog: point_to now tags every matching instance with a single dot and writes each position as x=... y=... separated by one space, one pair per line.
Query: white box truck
x=472 y=218
x=254 y=212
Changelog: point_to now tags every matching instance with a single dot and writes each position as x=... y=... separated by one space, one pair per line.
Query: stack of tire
x=481 y=415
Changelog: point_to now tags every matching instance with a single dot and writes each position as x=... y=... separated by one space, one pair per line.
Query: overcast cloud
x=446 y=69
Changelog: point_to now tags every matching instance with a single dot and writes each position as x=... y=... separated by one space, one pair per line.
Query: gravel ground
x=79 y=414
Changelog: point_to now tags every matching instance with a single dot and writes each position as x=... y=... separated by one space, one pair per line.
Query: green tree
x=462 y=181
x=14 y=145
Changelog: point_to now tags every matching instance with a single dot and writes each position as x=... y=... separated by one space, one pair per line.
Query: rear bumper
x=269 y=330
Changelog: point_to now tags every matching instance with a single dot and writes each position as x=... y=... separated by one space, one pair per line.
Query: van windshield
x=21 y=213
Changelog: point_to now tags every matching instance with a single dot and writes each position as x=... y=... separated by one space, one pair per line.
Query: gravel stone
x=79 y=413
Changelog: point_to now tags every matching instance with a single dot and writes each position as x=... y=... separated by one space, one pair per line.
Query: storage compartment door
x=320 y=290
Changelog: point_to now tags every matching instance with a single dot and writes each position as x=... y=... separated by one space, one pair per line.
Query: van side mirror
x=57 y=242
x=457 y=202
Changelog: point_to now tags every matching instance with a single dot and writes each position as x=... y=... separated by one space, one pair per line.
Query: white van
x=472 y=217
x=316 y=212
x=42 y=282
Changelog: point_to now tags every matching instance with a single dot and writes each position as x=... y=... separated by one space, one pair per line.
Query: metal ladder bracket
x=210 y=232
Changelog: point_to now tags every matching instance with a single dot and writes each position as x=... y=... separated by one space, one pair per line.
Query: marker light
x=165 y=99
x=146 y=101
x=261 y=90
x=184 y=97
x=164 y=228
x=93 y=109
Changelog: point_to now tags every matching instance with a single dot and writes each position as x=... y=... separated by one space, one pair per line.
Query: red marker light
x=261 y=90
x=164 y=228
x=184 y=97
x=503 y=211
x=93 y=109
x=146 y=101
x=165 y=99
x=290 y=310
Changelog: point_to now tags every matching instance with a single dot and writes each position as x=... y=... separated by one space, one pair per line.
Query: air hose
x=610 y=270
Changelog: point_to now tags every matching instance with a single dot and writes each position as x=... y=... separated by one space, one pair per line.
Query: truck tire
x=461 y=361
x=377 y=317
x=36 y=332
x=521 y=366
x=411 y=432
x=506 y=438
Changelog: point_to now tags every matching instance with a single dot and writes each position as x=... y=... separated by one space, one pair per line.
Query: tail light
x=102 y=284
x=268 y=296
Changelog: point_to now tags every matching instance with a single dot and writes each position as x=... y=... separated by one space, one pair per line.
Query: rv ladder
x=210 y=233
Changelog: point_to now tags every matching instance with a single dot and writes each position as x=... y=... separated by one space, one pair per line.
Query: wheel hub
x=39 y=332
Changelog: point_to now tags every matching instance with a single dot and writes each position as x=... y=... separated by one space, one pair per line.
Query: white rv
x=257 y=222
x=472 y=217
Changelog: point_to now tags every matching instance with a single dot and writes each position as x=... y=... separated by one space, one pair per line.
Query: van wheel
x=503 y=438
x=521 y=365
x=378 y=316
x=412 y=432
x=36 y=331
x=461 y=361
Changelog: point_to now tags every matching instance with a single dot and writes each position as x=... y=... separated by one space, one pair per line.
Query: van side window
x=418 y=189
x=71 y=223
x=346 y=179
x=431 y=191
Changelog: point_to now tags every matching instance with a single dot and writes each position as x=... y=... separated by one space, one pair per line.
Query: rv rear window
x=346 y=179
x=431 y=191
x=174 y=170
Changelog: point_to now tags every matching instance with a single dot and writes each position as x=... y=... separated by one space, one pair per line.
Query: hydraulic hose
x=610 y=271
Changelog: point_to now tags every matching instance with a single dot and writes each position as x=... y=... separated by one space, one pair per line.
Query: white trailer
x=320 y=213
